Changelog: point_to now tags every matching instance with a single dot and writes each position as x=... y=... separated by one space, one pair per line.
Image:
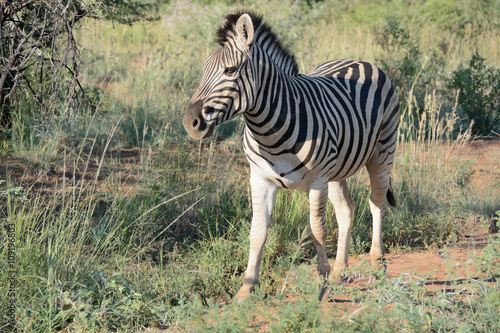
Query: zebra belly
x=294 y=180
x=289 y=171
x=284 y=173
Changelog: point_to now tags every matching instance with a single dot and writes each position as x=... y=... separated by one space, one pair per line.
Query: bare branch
x=39 y=54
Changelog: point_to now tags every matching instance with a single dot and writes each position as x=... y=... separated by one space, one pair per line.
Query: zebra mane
x=263 y=36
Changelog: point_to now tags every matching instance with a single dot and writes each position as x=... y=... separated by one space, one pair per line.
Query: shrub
x=478 y=86
x=40 y=58
x=401 y=59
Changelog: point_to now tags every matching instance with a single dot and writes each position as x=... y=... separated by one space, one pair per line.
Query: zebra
x=306 y=132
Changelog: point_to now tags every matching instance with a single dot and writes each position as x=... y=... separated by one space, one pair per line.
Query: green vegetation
x=478 y=86
x=40 y=57
x=121 y=223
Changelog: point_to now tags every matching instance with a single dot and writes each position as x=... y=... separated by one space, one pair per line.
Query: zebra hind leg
x=381 y=195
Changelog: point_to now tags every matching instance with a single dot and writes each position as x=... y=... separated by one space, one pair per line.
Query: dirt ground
x=484 y=156
x=438 y=267
x=122 y=164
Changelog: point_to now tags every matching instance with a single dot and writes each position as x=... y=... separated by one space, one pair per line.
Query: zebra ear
x=244 y=30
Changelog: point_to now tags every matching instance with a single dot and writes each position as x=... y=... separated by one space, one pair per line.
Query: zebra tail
x=390 y=197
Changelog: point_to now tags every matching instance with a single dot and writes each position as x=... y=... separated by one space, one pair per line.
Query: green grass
x=163 y=243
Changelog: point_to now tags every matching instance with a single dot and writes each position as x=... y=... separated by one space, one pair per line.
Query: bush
x=401 y=59
x=478 y=86
x=40 y=58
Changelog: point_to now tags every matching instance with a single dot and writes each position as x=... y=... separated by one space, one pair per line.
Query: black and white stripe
x=307 y=132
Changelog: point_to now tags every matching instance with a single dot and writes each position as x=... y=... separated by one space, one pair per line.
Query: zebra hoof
x=379 y=267
x=240 y=298
x=325 y=294
x=243 y=294
x=339 y=274
x=337 y=278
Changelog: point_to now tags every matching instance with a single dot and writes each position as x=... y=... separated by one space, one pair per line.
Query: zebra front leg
x=263 y=199
x=344 y=211
x=317 y=202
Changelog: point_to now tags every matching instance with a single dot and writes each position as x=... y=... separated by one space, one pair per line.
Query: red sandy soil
x=445 y=270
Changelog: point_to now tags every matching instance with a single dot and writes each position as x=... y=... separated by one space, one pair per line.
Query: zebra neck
x=279 y=118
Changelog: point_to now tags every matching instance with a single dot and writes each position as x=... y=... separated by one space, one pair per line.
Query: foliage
x=40 y=57
x=490 y=263
x=478 y=85
x=402 y=55
x=37 y=47
x=12 y=191
x=121 y=11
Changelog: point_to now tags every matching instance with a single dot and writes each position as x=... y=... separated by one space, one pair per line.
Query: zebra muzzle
x=194 y=123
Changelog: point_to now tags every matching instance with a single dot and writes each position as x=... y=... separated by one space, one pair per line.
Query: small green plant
x=490 y=259
x=8 y=190
x=478 y=87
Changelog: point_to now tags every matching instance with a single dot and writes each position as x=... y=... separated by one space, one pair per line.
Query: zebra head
x=227 y=86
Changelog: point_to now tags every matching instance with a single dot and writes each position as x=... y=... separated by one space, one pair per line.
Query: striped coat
x=307 y=132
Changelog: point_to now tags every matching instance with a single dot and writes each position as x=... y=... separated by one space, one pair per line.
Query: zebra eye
x=230 y=70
